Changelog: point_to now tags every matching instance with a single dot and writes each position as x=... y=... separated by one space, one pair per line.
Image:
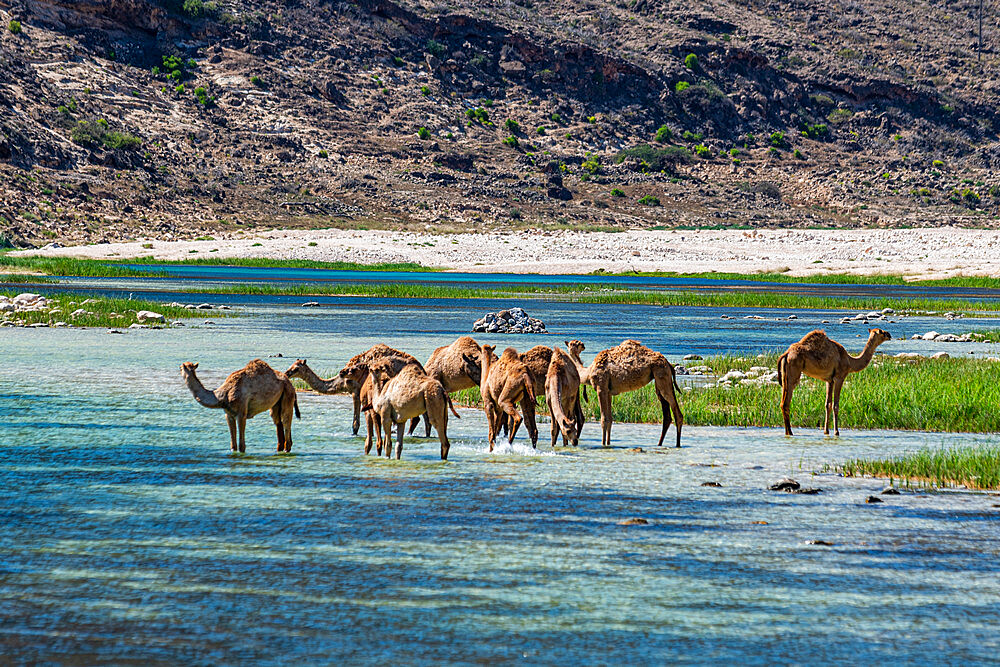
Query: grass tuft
x=973 y=467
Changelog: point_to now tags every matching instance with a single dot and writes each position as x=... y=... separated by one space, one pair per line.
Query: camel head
x=488 y=352
x=381 y=372
x=297 y=370
x=575 y=347
x=188 y=368
x=878 y=336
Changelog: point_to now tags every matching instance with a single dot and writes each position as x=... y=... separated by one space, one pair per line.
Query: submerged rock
x=785 y=484
x=715 y=484
x=890 y=491
x=633 y=522
x=873 y=499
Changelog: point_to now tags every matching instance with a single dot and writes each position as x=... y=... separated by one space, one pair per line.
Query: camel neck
x=316 y=382
x=860 y=362
x=202 y=395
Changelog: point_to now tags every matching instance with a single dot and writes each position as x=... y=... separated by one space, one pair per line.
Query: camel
x=247 y=392
x=456 y=367
x=403 y=396
x=823 y=359
x=504 y=382
x=373 y=353
x=562 y=395
x=628 y=367
x=353 y=379
x=537 y=361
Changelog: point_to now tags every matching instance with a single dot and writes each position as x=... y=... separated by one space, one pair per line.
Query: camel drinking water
x=505 y=382
x=456 y=367
x=247 y=392
x=823 y=359
x=562 y=395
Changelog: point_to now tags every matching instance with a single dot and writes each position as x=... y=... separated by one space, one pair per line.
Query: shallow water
x=132 y=533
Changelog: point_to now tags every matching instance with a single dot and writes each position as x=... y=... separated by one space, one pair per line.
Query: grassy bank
x=100 y=311
x=974 y=467
x=947 y=395
x=607 y=294
x=100 y=268
x=983 y=282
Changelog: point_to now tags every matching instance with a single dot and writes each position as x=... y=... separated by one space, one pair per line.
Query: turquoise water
x=130 y=532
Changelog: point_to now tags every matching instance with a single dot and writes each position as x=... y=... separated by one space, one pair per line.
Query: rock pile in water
x=512 y=321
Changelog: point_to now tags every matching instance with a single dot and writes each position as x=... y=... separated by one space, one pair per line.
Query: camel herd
x=392 y=388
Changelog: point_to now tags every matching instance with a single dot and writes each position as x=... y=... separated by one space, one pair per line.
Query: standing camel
x=629 y=367
x=408 y=394
x=504 y=382
x=374 y=353
x=562 y=394
x=247 y=392
x=456 y=367
x=355 y=380
x=823 y=359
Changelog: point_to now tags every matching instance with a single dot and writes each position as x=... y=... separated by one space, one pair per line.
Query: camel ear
x=194 y=365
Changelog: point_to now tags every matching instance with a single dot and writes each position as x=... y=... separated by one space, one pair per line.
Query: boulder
x=941 y=355
x=515 y=320
x=930 y=335
x=149 y=316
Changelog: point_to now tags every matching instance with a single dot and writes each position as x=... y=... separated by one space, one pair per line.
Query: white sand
x=917 y=252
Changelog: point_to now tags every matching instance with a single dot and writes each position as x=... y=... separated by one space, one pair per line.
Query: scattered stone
x=633 y=522
x=225 y=307
x=793 y=317
x=38 y=325
x=785 y=484
x=149 y=316
x=930 y=335
x=138 y=326
x=820 y=543
x=204 y=306
x=692 y=357
x=715 y=484
x=941 y=355
x=890 y=491
x=873 y=499
x=510 y=321
x=758 y=523
x=115 y=331
x=311 y=304
x=637 y=450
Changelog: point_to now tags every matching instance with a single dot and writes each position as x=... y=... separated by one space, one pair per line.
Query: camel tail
x=673 y=378
x=529 y=386
x=451 y=406
x=782 y=360
x=557 y=409
x=298 y=415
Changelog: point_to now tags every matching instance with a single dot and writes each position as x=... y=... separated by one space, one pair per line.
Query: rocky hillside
x=178 y=118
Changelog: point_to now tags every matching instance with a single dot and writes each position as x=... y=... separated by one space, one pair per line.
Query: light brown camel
x=628 y=367
x=456 y=367
x=505 y=381
x=373 y=353
x=562 y=395
x=537 y=361
x=408 y=394
x=353 y=379
x=823 y=359
x=247 y=392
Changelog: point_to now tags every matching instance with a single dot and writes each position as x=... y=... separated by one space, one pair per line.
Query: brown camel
x=247 y=392
x=823 y=359
x=505 y=381
x=562 y=395
x=408 y=394
x=537 y=361
x=628 y=367
x=456 y=367
x=355 y=380
x=373 y=353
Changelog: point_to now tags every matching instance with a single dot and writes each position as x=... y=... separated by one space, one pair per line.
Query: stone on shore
x=144 y=316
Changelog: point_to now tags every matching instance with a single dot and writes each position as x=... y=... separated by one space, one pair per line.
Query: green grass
x=22 y=278
x=607 y=294
x=974 y=467
x=947 y=395
x=103 y=311
x=99 y=268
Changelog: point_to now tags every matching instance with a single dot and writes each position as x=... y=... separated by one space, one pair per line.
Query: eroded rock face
x=512 y=321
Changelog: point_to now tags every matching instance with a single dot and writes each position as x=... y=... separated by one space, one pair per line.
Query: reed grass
x=976 y=467
x=100 y=268
x=608 y=294
x=982 y=282
x=942 y=395
x=102 y=311
x=23 y=279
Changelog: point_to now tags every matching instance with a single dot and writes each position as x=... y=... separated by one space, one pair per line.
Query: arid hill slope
x=173 y=119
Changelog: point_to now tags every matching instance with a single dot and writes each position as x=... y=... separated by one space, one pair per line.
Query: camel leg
x=370 y=434
x=387 y=425
x=231 y=420
x=276 y=415
x=528 y=410
x=829 y=407
x=789 y=381
x=288 y=429
x=413 y=425
x=604 y=399
x=555 y=427
x=356 y=424
x=838 y=385
x=665 y=411
x=578 y=414
x=437 y=414
x=515 y=420
x=664 y=384
x=427 y=426
x=400 y=427
x=241 y=425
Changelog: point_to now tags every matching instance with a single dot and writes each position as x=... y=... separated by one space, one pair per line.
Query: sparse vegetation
x=664 y=134
x=649 y=200
x=656 y=159
x=424 y=133
x=617 y=192
x=512 y=142
x=96 y=133
x=14 y=27
x=839 y=116
x=691 y=61
x=681 y=86
x=512 y=125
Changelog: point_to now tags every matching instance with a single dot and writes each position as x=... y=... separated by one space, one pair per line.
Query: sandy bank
x=916 y=252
